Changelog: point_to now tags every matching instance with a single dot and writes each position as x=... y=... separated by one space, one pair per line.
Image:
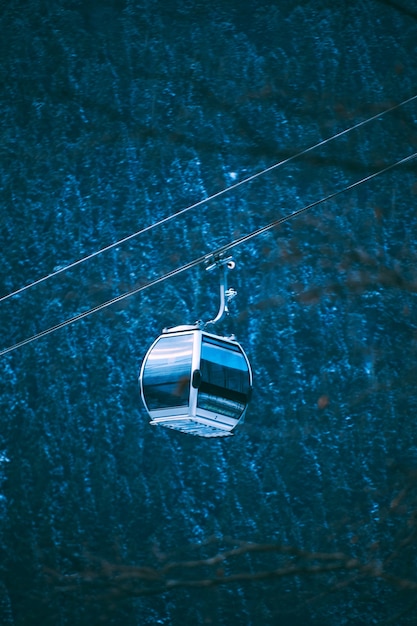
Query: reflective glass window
x=167 y=372
x=225 y=378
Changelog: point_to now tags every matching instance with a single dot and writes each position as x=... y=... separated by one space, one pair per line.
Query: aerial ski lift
x=194 y=380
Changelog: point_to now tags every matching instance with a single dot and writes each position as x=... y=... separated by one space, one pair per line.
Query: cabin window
x=167 y=372
x=225 y=381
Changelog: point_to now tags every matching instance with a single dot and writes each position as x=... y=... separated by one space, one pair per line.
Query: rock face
x=115 y=115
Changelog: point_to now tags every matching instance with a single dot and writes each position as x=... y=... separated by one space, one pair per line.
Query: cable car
x=195 y=381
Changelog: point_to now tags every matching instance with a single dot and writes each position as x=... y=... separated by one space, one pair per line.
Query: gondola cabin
x=196 y=382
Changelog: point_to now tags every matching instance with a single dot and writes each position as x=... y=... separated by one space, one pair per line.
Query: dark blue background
x=114 y=115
